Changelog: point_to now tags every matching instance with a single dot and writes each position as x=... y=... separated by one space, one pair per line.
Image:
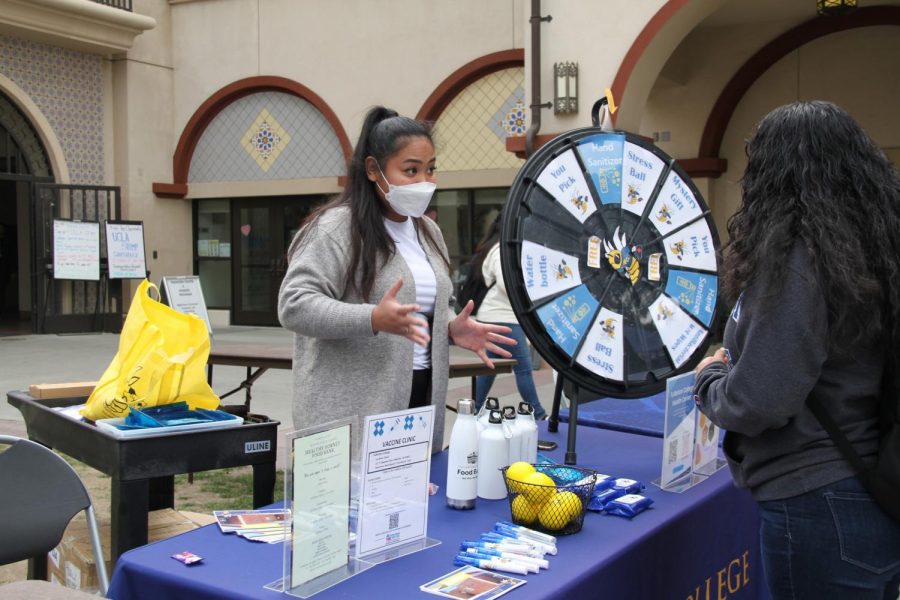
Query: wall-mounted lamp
x=835 y=8
x=565 y=97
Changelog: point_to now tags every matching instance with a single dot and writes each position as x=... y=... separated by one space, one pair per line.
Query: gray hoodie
x=780 y=354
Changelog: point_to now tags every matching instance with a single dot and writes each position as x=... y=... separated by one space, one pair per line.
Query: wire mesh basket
x=549 y=498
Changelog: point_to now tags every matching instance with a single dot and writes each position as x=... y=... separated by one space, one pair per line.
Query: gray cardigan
x=341 y=368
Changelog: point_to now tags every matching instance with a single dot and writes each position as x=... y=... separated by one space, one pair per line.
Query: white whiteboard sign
x=125 y=250
x=185 y=295
x=76 y=250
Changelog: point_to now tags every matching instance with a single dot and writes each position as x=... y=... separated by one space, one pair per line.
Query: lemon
x=561 y=509
x=523 y=511
x=538 y=488
x=516 y=473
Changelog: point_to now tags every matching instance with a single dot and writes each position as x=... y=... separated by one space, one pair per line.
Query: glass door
x=263 y=229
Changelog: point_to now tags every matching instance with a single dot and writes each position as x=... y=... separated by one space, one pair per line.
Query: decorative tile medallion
x=265 y=140
x=472 y=130
x=514 y=121
x=267 y=136
x=510 y=120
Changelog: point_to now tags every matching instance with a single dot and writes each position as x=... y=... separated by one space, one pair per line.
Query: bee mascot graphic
x=623 y=258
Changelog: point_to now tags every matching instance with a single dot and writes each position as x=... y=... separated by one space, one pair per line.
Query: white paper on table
x=396 y=464
x=706 y=442
x=321 y=494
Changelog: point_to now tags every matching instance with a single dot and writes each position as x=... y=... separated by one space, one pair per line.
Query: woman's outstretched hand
x=480 y=338
x=390 y=316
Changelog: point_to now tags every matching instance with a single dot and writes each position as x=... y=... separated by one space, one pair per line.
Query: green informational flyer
x=321 y=492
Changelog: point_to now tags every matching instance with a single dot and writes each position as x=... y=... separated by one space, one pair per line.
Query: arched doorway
x=23 y=161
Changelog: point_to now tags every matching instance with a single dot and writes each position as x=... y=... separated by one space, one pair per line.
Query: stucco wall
x=855 y=68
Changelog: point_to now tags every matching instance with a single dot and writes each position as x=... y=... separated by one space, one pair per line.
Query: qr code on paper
x=393 y=520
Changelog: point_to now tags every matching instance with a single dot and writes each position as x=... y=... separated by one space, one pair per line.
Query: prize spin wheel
x=609 y=254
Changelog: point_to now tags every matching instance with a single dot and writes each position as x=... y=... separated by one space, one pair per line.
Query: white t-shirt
x=495 y=307
x=404 y=236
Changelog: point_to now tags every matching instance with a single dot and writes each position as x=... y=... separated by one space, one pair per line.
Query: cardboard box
x=46 y=391
x=72 y=564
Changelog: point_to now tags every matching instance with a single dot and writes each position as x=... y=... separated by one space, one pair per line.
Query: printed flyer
x=706 y=446
x=393 y=505
x=472 y=583
x=321 y=496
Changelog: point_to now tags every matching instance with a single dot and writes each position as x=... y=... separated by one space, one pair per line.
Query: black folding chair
x=41 y=493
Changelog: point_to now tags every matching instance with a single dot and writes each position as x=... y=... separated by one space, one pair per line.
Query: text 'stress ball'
x=609 y=257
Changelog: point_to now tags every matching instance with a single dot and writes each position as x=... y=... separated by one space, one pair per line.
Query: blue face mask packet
x=602 y=482
x=600 y=499
x=628 y=505
x=628 y=486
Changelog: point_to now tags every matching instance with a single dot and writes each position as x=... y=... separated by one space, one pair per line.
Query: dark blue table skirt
x=645 y=416
x=697 y=545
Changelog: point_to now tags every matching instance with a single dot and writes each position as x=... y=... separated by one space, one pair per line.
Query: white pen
x=528 y=560
x=541 y=537
x=493 y=565
x=504 y=546
x=546 y=548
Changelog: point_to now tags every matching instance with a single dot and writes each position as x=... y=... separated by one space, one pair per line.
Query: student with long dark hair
x=496 y=309
x=367 y=290
x=814 y=267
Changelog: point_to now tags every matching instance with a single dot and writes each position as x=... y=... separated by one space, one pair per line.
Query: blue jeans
x=833 y=542
x=522 y=370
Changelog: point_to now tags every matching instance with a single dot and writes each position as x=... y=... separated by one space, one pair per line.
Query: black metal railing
x=123 y=4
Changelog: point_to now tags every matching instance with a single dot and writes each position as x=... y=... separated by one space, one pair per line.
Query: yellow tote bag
x=161 y=359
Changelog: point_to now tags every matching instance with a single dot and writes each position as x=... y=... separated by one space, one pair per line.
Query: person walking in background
x=367 y=290
x=495 y=308
x=814 y=266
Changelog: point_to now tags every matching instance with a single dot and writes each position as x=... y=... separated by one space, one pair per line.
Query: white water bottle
x=529 y=431
x=490 y=404
x=462 y=459
x=493 y=454
x=513 y=434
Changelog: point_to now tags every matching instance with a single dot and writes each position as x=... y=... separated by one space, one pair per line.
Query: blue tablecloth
x=645 y=416
x=702 y=543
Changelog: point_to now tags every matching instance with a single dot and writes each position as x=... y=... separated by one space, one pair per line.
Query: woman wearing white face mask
x=368 y=293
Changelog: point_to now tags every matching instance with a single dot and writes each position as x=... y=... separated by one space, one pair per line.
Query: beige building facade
x=219 y=124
